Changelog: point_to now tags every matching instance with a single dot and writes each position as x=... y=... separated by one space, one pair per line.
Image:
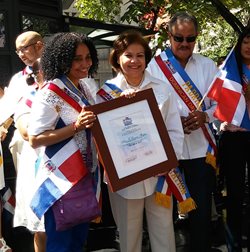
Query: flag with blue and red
x=9 y=203
x=227 y=90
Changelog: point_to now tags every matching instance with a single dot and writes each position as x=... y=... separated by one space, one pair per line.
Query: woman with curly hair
x=67 y=59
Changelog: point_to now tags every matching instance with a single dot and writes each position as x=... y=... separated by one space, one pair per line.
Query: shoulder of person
x=89 y=87
x=17 y=76
x=160 y=87
x=150 y=78
x=116 y=80
x=203 y=59
x=89 y=84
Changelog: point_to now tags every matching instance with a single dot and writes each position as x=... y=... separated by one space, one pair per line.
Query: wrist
x=206 y=117
x=3 y=129
x=75 y=127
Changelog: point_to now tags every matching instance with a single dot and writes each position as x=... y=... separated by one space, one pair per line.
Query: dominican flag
x=109 y=91
x=8 y=204
x=8 y=200
x=226 y=89
x=59 y=168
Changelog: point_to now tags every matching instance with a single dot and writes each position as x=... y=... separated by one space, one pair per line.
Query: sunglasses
x=180 y=39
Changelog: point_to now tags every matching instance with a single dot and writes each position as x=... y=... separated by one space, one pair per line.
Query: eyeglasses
x=24 y=48
x=180 y=39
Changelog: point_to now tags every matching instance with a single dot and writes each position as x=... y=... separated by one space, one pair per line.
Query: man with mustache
x=189 y=75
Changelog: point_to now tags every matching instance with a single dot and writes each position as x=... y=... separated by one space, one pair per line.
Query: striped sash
x=190 y=95
x=61 y=166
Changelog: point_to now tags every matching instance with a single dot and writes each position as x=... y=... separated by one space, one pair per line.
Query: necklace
x=128 y=86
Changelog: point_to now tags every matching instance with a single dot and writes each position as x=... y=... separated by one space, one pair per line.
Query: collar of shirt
x=148 y=78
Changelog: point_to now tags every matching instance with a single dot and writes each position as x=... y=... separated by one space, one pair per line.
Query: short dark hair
x=121 y=44
x=244 y=34
x=183 y=17
x=59 y=52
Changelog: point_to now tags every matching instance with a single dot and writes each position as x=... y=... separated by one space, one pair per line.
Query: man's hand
x=193 y=121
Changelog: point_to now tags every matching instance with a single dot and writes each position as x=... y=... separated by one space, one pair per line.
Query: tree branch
x=228 y=16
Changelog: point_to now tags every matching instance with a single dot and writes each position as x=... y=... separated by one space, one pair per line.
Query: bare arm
x=22 y=125
x=84 y=121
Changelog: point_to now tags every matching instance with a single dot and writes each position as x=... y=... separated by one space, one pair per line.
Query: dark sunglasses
x=180 y=39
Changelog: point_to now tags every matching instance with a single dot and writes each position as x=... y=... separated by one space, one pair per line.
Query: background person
x=3 y=246
x=24 y=216
x=29 y=47
x=188 y=76
x=234 y=144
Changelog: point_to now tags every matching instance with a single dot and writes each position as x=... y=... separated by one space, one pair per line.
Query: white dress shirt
x=201 y=70
x=13 y=93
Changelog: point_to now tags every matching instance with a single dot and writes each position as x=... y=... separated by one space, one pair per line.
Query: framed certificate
x=132 y=140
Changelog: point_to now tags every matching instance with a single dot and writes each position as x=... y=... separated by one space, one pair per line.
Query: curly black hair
x=59 y=52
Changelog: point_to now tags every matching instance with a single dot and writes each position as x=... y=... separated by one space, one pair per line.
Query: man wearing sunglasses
x=189 y=75
x=29 y=47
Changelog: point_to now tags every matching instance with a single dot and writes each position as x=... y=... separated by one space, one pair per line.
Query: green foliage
x=101 y=10
x=216 y=39
x=216 y=35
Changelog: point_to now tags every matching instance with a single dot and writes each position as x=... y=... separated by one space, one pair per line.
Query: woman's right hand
x=85 y=120
x=128 y=93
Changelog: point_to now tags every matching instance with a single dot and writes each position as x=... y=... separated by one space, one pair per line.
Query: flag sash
x=54 y=178
x=109 y=91
x=171 y=70
x=179 y=74
x=8 y=200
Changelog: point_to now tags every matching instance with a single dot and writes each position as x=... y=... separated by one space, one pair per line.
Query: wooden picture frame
x=132 y=139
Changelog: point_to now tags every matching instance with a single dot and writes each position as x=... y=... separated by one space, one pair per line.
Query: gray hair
x=182 y=17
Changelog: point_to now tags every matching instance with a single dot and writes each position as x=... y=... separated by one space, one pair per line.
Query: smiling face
x=182 y=50
x=245 y=50
x=132 y=63
x=81 y=64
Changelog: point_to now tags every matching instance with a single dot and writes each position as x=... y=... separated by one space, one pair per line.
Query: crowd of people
x=47 y=101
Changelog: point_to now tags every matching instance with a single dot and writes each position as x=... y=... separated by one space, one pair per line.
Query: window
x=2 y=31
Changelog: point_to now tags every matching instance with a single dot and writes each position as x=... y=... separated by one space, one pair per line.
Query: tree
x=218 y=25
x=101 y=10
x=142 y=11
x=220 y=20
